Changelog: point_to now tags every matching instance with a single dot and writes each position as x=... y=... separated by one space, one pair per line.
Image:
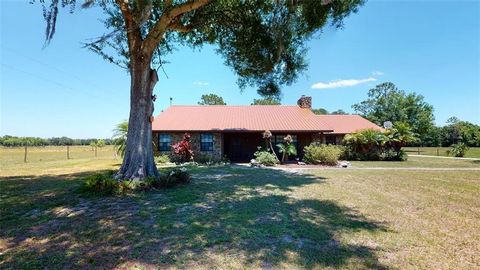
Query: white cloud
x=341 y=83
x=200 y=83
x=377 y=73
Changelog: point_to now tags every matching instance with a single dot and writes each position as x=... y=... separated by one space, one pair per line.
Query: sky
x=428 y=47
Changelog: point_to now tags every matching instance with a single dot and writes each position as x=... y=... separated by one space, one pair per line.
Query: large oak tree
x=263 y=41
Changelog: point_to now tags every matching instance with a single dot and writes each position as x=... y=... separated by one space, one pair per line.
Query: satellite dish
x=387 y=124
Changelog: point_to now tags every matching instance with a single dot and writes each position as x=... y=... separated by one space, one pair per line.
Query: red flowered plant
x=183 y=148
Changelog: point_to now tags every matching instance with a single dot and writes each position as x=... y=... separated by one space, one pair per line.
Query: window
x=206 y=142
x=330 y=139
x=279 y=139
x=164 y=141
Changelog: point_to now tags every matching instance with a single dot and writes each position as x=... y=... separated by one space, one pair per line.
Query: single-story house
x=236 y=131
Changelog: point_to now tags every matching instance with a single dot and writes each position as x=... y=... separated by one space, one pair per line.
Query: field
x=413 y=215
x=473 y=152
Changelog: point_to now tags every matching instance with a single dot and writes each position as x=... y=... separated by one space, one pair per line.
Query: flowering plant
x=183 y=148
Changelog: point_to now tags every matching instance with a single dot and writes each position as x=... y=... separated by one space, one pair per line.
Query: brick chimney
x=305 y=102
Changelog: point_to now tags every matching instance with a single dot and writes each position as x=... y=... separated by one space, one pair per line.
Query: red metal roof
x=344 y=124
x=238 y=118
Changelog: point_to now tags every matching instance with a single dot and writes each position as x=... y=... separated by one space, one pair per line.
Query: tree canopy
x=386 y=102
x=211 y=99
x=320 y=111
x=262 y=41
x=267 y=101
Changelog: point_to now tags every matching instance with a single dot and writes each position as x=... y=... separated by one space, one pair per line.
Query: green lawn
x=473 y=152
x=238 y=218
x=419 y=162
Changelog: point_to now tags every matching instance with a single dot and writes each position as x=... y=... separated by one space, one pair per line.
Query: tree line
x=11 y=141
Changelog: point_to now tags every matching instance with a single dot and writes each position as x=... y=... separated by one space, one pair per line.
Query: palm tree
x=120 y=137
x=400 y=135
x=287 y=148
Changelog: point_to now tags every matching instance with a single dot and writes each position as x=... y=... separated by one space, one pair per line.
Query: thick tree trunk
x=138 y=161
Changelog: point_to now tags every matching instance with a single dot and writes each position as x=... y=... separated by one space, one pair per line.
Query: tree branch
x=132 y=28
x=179 y=27
x=164 y=23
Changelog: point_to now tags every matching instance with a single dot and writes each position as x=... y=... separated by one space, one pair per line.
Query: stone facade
x=216 y=154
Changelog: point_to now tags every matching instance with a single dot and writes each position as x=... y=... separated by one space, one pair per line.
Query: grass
x=473 y=152
x=232 y=217
x=419 y=162
x=53 y=160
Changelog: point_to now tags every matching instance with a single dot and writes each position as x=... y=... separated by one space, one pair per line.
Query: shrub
x=458 y=150
x=100 y=184
x=162 y=159
x=322 y=154
x=183 y=149
x=205 y=159
x=265 y=158
x=177 y=176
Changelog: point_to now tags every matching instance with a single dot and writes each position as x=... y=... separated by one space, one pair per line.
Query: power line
x=82 y=80
x=61 y=85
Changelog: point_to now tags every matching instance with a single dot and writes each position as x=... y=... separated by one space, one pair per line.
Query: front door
x=239 y=147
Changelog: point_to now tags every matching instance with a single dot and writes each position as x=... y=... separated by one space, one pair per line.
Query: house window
x=164 y=141
x=279 y=139
x=206 y=142
x=330 y=139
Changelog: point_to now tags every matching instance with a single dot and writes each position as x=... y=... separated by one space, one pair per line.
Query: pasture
x=415 y=215
x=473 y=152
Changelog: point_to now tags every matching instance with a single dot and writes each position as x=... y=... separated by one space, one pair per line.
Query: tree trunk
x=138 y=161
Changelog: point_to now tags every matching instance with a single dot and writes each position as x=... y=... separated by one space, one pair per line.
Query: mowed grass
x=241 y=218
x=419 y=162
x=53 y=160
x=473 y=152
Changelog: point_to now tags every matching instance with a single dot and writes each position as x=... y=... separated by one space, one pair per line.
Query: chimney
x=305 y=102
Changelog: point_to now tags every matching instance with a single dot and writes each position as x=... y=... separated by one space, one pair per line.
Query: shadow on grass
x=227 y=218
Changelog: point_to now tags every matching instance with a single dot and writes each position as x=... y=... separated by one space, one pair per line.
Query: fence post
x=95 y=151
x=438 y=153
x=68 y=152
x=25 y=156
x=418 y=150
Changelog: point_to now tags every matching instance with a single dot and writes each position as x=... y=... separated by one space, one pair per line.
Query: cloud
x=200 y=83
x=342 y=83
x=377 y=73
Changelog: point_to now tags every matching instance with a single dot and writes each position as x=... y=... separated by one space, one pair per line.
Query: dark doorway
x=239 y=147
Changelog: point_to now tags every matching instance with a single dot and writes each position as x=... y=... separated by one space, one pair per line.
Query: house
x=236 y=131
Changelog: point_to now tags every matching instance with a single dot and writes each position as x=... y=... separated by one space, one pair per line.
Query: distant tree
x=339 y=111
x=120 y=137
x=457 y=131
x=387 y=103
x=211 y=99
x=101 y=143
x=267 y=101
x=262 y=41
x=320 y=111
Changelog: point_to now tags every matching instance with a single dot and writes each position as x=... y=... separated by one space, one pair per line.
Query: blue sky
x=430 y=47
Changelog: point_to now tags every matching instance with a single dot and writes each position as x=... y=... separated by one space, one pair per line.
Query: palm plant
x=120 y=137
x=287 y=148
x=400 y=135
